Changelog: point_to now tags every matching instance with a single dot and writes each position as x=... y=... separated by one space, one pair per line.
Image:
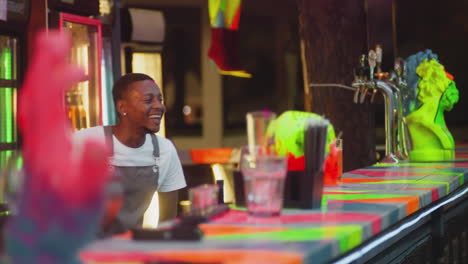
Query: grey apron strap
x=109 y=139
x=154 y=139
x=155 y=145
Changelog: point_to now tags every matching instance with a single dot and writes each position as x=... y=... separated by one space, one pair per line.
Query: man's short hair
x=122 y=84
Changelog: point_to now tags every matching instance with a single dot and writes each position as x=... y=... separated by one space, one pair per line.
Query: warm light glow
x=84 y=98
x=185 y=203
x=186 y=206
x=82 y=58
x=187 y=110
x=219 y=173
x=104 y=7
x=84 y=88
x=150 y=63
x=79 y=56
x=151 y=216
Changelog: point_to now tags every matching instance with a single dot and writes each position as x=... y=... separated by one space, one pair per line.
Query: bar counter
x=408 y=213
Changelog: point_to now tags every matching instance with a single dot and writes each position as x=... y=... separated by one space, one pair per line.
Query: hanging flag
x=224 y=21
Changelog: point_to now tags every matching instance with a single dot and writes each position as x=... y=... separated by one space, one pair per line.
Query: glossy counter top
x=367 y=203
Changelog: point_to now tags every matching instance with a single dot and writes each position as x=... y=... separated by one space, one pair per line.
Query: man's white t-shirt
x=171 y=176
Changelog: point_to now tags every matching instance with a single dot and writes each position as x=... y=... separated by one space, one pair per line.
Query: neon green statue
x=289 y=129
x=437 y=93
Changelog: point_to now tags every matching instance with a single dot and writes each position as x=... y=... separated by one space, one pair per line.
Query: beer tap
x=391 y=102
x=372 y=59
x=360 y=75
x=378 y=58
x=401 y=139
x=390 y=128
x=378 y=74
x=374 y=92
x=372 y=77
x=399 y=80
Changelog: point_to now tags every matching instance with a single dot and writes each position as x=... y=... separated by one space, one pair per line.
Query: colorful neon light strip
x=348 y=236
x=7 y=96
x=364 y=204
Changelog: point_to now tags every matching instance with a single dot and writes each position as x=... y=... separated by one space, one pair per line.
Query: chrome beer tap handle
x=391 y=123
x=357 y=89
x=360 y=75
x=400 y=85
x=356 y=95
x=372 y=59
x=364 y=91
x=374 y=92
x=378 y=53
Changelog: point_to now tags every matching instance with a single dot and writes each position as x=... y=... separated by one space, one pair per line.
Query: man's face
x=144 y=105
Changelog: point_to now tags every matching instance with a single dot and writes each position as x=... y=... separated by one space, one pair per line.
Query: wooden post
x=335 y=34
x=381 y=30
x=116 y=40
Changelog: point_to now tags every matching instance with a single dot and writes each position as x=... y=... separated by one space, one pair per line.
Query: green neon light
x=348 y=236
x=447 y=184
x=354 y=196
x=19 y=163
x=8 y=115
x=7 y=122
x=4 y=157
x=351 y=191
x=7 y=64
x=2 y=116
x=438 y=172
x=411 y=164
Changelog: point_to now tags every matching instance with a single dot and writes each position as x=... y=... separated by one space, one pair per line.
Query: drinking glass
x=257 y=125
x=334 y=164
x=264 y=173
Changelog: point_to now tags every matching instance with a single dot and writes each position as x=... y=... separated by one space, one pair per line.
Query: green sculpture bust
x=437 y=93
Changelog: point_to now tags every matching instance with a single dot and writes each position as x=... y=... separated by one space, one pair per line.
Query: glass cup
x=257 y=125
x=203 y=198
x=264 y=173
x=334 y=164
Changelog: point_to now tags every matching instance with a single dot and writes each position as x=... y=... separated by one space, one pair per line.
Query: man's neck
x=129 y=135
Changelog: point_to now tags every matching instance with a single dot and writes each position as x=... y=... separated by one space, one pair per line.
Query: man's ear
x=121 y=107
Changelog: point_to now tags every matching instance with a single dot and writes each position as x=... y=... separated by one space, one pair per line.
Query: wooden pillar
x=334 y=34
x=381 y=29
x=116 y=40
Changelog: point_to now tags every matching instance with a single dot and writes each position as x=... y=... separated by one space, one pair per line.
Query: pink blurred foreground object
x=45 y=127
x=60 y=203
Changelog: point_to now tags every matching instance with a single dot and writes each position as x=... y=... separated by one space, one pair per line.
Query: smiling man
x=142 y=162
